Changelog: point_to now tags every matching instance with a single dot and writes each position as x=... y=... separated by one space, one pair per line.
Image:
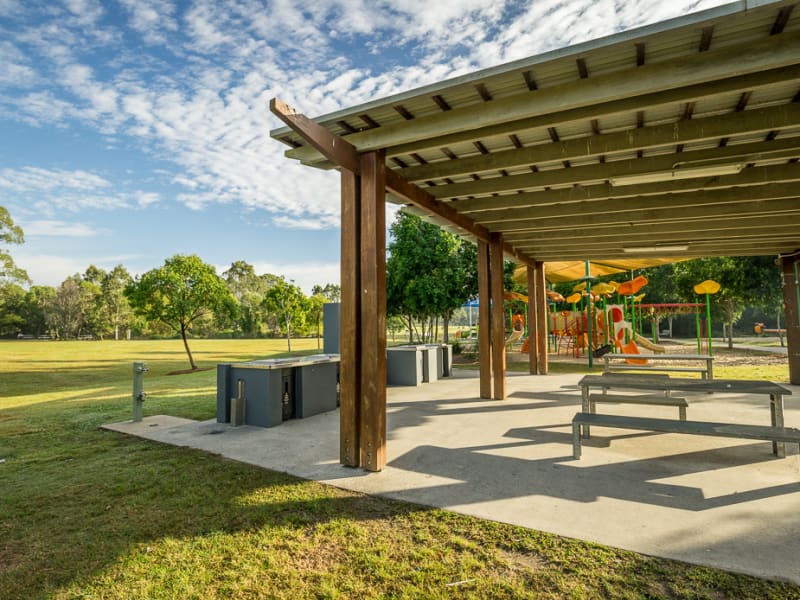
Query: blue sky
x=133 y=130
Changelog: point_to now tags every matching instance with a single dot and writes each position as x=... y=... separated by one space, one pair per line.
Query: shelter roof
x=679 y=139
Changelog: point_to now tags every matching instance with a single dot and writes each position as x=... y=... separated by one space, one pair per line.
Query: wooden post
x=542 y=321
x=373 y=311
x=484 y=321
x=791 y=306
x=533 y=324
x=350 y=323
x=498 y=329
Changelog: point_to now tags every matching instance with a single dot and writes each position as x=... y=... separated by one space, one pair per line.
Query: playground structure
x=599 y=327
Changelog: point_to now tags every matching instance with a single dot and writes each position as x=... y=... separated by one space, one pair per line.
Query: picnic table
x=706 y=372
x=775 y=432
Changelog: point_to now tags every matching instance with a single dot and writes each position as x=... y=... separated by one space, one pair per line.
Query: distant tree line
x=430 y=274
x=183 y=296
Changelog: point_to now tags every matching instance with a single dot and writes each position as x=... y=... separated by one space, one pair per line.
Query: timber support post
x=498 y=333
x=534 y=330
x=542 y=320
x=790 y=271
x=484 y=321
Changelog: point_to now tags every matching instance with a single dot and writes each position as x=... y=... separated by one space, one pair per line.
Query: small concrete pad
x=720 y=502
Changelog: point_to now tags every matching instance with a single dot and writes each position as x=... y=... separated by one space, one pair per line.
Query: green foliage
x=180 y=293
x=429 y=273
x=288 y=303
x=12 y=301
x=331 y=292
x=10 y=234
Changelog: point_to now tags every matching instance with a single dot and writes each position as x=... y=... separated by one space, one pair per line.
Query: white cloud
x=196 y=95
x=304 y=275
x=52 y=270
x=153 y=19
x=36 y=179
x=145 y=199
x=54 y=228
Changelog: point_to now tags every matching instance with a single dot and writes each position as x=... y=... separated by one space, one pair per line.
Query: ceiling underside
x=680 y=139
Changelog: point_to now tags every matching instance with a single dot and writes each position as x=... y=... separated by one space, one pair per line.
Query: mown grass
x=86 y=513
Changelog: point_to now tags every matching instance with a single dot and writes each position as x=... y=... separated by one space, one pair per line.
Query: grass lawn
x=86 y=513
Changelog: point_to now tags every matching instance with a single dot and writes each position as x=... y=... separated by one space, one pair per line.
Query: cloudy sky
x=132 y=130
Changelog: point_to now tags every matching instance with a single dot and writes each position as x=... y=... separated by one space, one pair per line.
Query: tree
x=117 y=307
x=315 y=304
x=287 y=302
x=37 y=308
x=249 y=290
x=10 y=234
x=179 y=293
x=429 y=274
x=744 y=280
x=331 y=292
x=12 y=302
x=66 y=316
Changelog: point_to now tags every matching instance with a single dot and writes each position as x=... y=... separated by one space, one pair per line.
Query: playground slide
x=515 y=336
x=650 y=345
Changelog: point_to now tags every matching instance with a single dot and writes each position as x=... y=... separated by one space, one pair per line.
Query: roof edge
x=732 y=8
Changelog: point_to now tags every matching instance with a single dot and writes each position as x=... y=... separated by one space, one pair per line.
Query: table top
x=660 y=356
x=648 y=382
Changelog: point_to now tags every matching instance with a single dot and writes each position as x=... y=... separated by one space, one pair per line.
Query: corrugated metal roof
x=642 y=114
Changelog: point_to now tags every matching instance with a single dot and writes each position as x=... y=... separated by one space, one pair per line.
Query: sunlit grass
x=86 y=513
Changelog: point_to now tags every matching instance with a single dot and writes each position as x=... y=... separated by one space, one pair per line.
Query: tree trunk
x=186 y=345
x=318 y=334
x=445 y=328
x=288 y=337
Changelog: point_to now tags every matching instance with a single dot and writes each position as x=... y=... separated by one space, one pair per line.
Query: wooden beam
x=350 y=323
x=659 y=214
x=725 y=226
x=372 y=266
x=423 y=200
x=672 y=201
x=332 y=147
x=765 y=248
x=542 y=320
x=739 y=235
x=498 y=317
x=533 y=324
x=699 y=130
x=604 y=191
x=344 y=154
x=702 y=70
x=598 y=173
x=484 y=321
x=397 y=185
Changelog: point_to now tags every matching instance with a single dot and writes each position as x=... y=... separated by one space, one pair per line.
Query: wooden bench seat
x=750 y=432
x=652 y=399
x=611 y=368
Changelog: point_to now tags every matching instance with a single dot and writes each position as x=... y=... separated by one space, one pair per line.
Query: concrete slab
x=713 y=501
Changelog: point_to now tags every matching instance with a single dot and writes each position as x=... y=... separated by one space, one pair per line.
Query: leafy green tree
x=314 y=314
x=331 y=292
x=66 y=316
x=37 y=307
x=12 y=302
x=288 y=303
x=429 y=274
x=181 y=292
x=10 y=234
x=118 y=310
x=744 y=281
x=249 y=290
